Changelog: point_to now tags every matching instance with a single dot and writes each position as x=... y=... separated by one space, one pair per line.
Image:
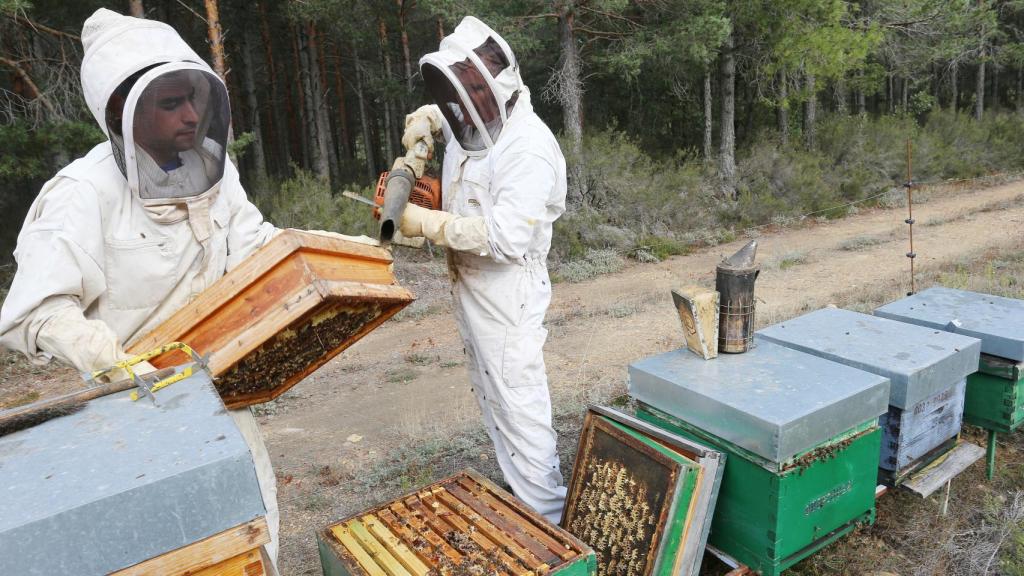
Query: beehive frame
x=682 y=475
x=282 y=313
x=461 y=526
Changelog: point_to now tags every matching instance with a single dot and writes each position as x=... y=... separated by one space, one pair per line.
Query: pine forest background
x=684 y=122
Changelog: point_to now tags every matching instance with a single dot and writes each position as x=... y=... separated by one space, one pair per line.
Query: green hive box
x=995 y=395
x=640 y=496
x=801 y=438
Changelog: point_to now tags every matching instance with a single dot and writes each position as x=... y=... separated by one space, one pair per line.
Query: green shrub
x=306 y=202
x=628 y=194
x=657 y=248
x=595 y=263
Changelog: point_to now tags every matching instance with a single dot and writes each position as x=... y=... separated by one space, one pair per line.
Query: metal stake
x=909 y=185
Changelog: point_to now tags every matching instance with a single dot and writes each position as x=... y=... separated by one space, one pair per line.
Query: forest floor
x=395 y=411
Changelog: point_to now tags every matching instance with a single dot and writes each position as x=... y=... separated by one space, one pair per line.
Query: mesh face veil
x=475 y=82
x=175 y=126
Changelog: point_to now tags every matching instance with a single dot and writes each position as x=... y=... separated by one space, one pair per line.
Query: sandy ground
x=334 y=435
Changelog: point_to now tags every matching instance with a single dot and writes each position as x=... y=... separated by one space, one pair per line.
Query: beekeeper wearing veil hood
x=504 y=184
x=122 y=238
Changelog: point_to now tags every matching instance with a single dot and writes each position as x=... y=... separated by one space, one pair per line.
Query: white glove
x=88 y=345
x=464 y=233
x=422 y=125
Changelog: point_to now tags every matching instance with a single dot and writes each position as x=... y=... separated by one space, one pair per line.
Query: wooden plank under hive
x=463 y=525
x=282 y=313
x=640 y=496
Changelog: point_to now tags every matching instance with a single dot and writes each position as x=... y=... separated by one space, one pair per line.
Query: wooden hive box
x=282 y=313
x=461 y=526
x=234 y=552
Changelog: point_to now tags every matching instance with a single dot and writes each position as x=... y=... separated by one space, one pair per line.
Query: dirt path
x=407 y=381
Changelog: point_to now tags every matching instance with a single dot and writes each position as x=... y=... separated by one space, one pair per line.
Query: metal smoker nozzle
x=743 y=258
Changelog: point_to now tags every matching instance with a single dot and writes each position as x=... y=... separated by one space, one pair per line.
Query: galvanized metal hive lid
x=460 y=526
x=919 y=362
x=997 y=321
x=121 y=482
x=773 y=401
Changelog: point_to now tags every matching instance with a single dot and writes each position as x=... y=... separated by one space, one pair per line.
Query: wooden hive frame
x=282 y=313
x=461 y=526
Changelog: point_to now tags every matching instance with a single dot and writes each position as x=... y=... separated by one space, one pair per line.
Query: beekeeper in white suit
x=122 y=238
x=503 y=183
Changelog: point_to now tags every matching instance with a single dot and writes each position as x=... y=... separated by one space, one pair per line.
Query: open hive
x=461 y=526
x=282 y=313
x=640 y=496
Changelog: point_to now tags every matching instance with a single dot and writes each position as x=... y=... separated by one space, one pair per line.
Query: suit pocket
x=522 y=361
x=139 y=273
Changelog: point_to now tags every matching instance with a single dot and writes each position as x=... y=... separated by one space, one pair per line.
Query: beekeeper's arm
x=521 y=186
x=58 y=277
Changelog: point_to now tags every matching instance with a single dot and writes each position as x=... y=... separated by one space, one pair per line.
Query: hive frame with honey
x=686 y=476
x=463 y=525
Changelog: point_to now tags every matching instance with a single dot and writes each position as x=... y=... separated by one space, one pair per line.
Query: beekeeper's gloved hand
x=422 y=125
x=88 y=345
x=464 y=233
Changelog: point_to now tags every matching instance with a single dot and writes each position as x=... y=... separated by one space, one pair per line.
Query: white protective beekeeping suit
x=504 y=185
x=122 y=238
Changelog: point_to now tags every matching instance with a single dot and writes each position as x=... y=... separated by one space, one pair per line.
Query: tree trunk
x=906 y=95
x=371 y=171
x=308 y=116
x=440 y=29
x=319 y=126
x=782 y=110
x=810 y=111
x=136 y=9
x=707 y=114
x=339 y=87
x=569 y=90
x=277 y=135
x=406 y=59
x=954 y=84
x=216 y=37
x=979 y=91
x=891 y=94
x=249 y=78
x=993 y=100
x=749 y=100
x=1020 y=90
x=842 y=96
x=300 y=146
x=390 y=148
x=727 y=146
x=861 y=101
x=323 y=107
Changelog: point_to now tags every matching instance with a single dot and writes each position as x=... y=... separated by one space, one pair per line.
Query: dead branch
x=36 y=93
x=24 y=21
